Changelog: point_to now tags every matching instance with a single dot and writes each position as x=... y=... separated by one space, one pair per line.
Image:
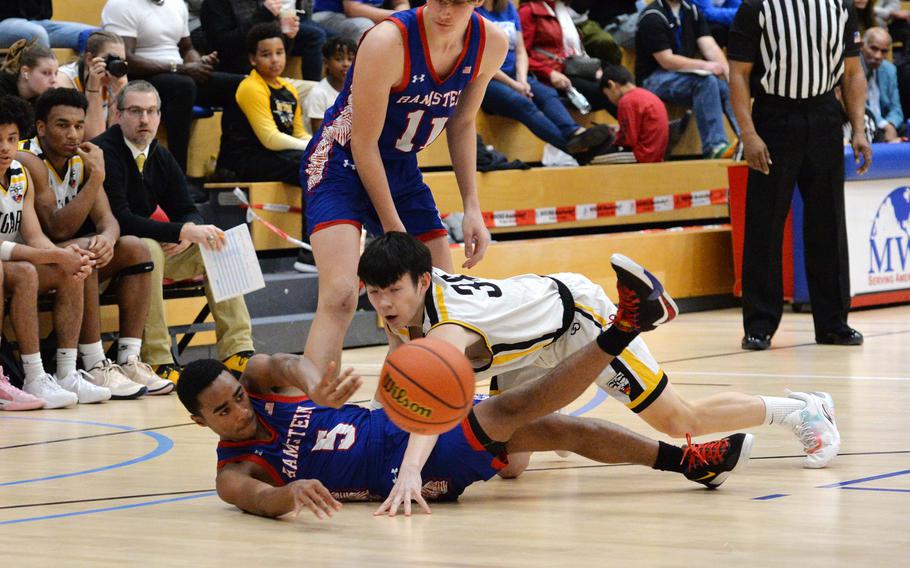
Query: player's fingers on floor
x=328 y=498
x=312 y=507
x=423 y=504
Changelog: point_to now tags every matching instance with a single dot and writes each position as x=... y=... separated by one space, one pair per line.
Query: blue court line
x=599 y=397
x=863 y=479
x=107 y=509
x=771 y=496
x=164 y=445
x=876 y=489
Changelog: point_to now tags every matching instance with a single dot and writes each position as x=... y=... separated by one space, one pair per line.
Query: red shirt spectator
x=643 y=122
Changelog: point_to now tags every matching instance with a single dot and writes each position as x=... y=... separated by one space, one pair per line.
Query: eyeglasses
x=137 y=112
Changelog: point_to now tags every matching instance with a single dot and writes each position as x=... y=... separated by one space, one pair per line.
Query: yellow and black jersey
x=273 y=115
x=65 y=188
x=12 y=198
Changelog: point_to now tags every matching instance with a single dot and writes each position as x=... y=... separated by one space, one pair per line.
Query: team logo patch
x=466 y=70
x=16 y=192
x=418 y=78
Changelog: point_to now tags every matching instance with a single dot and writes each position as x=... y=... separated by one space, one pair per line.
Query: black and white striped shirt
x=797 y=46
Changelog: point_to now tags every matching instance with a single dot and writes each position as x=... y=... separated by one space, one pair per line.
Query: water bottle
x=579 y=100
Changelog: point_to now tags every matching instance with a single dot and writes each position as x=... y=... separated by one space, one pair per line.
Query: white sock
x=127 y=347
x=66 y=362
x=91 y=353
x=777 y=408
x=32 y=365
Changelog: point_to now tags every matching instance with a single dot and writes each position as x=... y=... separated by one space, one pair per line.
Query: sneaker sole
x=17 y=406
x=741 y=462
x=624 y=263
x=588 y=139
x=132 y=396
x=166 y=389
x=48 y=405
x=305 y=268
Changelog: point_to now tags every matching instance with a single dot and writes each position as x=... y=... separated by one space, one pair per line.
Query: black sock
x=613 y=341
x=669 y=458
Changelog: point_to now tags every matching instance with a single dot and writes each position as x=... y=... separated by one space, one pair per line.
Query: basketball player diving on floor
x=516 y=330
x=280 y=453
x=417 y=73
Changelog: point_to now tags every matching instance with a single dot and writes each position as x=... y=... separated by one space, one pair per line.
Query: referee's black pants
x=805 y=140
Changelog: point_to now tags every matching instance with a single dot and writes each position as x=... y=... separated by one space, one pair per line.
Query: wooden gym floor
x=130 y=483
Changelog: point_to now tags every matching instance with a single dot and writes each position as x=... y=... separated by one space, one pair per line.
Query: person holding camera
x=100 y=74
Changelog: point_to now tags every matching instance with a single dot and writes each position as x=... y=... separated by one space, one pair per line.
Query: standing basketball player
x=280 y=453
x=515 y=330
x=417 y=73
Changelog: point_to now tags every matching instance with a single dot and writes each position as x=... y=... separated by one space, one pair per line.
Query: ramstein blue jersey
x=309 y=442
x=418 y=106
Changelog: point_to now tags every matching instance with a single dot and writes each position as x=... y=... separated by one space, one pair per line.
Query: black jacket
x=226 y=23
x=134 y=196
x=28 y=9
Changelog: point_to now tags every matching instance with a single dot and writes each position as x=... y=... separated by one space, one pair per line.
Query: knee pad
x=492 y=446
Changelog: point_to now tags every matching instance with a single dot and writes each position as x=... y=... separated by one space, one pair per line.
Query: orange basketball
x=426 y=386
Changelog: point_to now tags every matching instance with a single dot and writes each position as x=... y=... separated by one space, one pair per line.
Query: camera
x=116 y=66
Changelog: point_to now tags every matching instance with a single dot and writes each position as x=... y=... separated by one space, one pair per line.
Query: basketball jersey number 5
x=344 y=434
x=405 y=142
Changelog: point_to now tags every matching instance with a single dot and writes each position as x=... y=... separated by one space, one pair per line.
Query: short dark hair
x=391 y=256
x=616 y=73
x=58 y=96
x=195 y=378
x=14 y=110
x=338 y=44
x=259 y=32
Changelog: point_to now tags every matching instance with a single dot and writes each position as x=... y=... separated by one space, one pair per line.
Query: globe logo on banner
x=889 y=240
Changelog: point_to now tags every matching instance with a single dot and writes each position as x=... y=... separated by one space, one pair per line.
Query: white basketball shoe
x=815 y=427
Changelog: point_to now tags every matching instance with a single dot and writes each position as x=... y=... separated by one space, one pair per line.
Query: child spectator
x=100 y=73
x=267 y=143
x=338 y=54
x=643 y=123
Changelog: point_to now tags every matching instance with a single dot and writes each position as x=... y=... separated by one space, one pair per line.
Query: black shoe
x=753 y=342
x=589 y=138
x=305 y=262
x=712 y=463
x=643 y=302
x=845 y=336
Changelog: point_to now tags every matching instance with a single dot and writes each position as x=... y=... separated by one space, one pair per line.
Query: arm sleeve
x=538 y=64
x=653 y=33
x=255 y=106
x=852 y=39
x=116 y=180
x=745 y=35
x=894 y=114
x=701 y=27
x=116 y=17
x=628 y=126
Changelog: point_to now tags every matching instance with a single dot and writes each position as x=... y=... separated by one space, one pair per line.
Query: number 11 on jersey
x=405 y=142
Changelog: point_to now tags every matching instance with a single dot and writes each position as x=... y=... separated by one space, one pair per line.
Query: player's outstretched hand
x=333 y=390
x=476 y=238
x=312 y=494
x=407 y=488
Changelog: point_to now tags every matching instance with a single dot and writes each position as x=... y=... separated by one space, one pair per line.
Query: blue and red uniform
x=355 y=452
x=418 y=108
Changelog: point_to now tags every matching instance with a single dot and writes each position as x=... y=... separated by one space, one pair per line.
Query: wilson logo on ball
x=399 y=396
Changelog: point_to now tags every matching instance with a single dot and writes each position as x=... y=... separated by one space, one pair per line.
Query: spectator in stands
x=643 y=123
x=519 y=96
x=100 y=74
x=31 y=20
x=671 y=38
x=28 y=70
x=338 y=54
x=159 y=49
x=719 y=15
x=267 y=144
x=68 y=177
x=865 y=14
x=141 y=176
x=33 y=265
x=227 y=23
x=882 y=96
x=351 y=18
x=550 y=37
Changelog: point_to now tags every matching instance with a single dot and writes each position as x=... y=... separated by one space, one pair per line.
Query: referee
x=792 y=54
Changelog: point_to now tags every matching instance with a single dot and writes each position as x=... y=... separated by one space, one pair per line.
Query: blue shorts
x=335 y=195
x=457 y=461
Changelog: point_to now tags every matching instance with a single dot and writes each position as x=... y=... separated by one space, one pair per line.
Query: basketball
x=426 y=386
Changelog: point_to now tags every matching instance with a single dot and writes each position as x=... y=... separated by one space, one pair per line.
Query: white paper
x=234 y=270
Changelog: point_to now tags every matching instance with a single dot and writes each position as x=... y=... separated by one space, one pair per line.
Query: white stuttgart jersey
x=516 y=317
x=11 y=199
x=64 y=188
